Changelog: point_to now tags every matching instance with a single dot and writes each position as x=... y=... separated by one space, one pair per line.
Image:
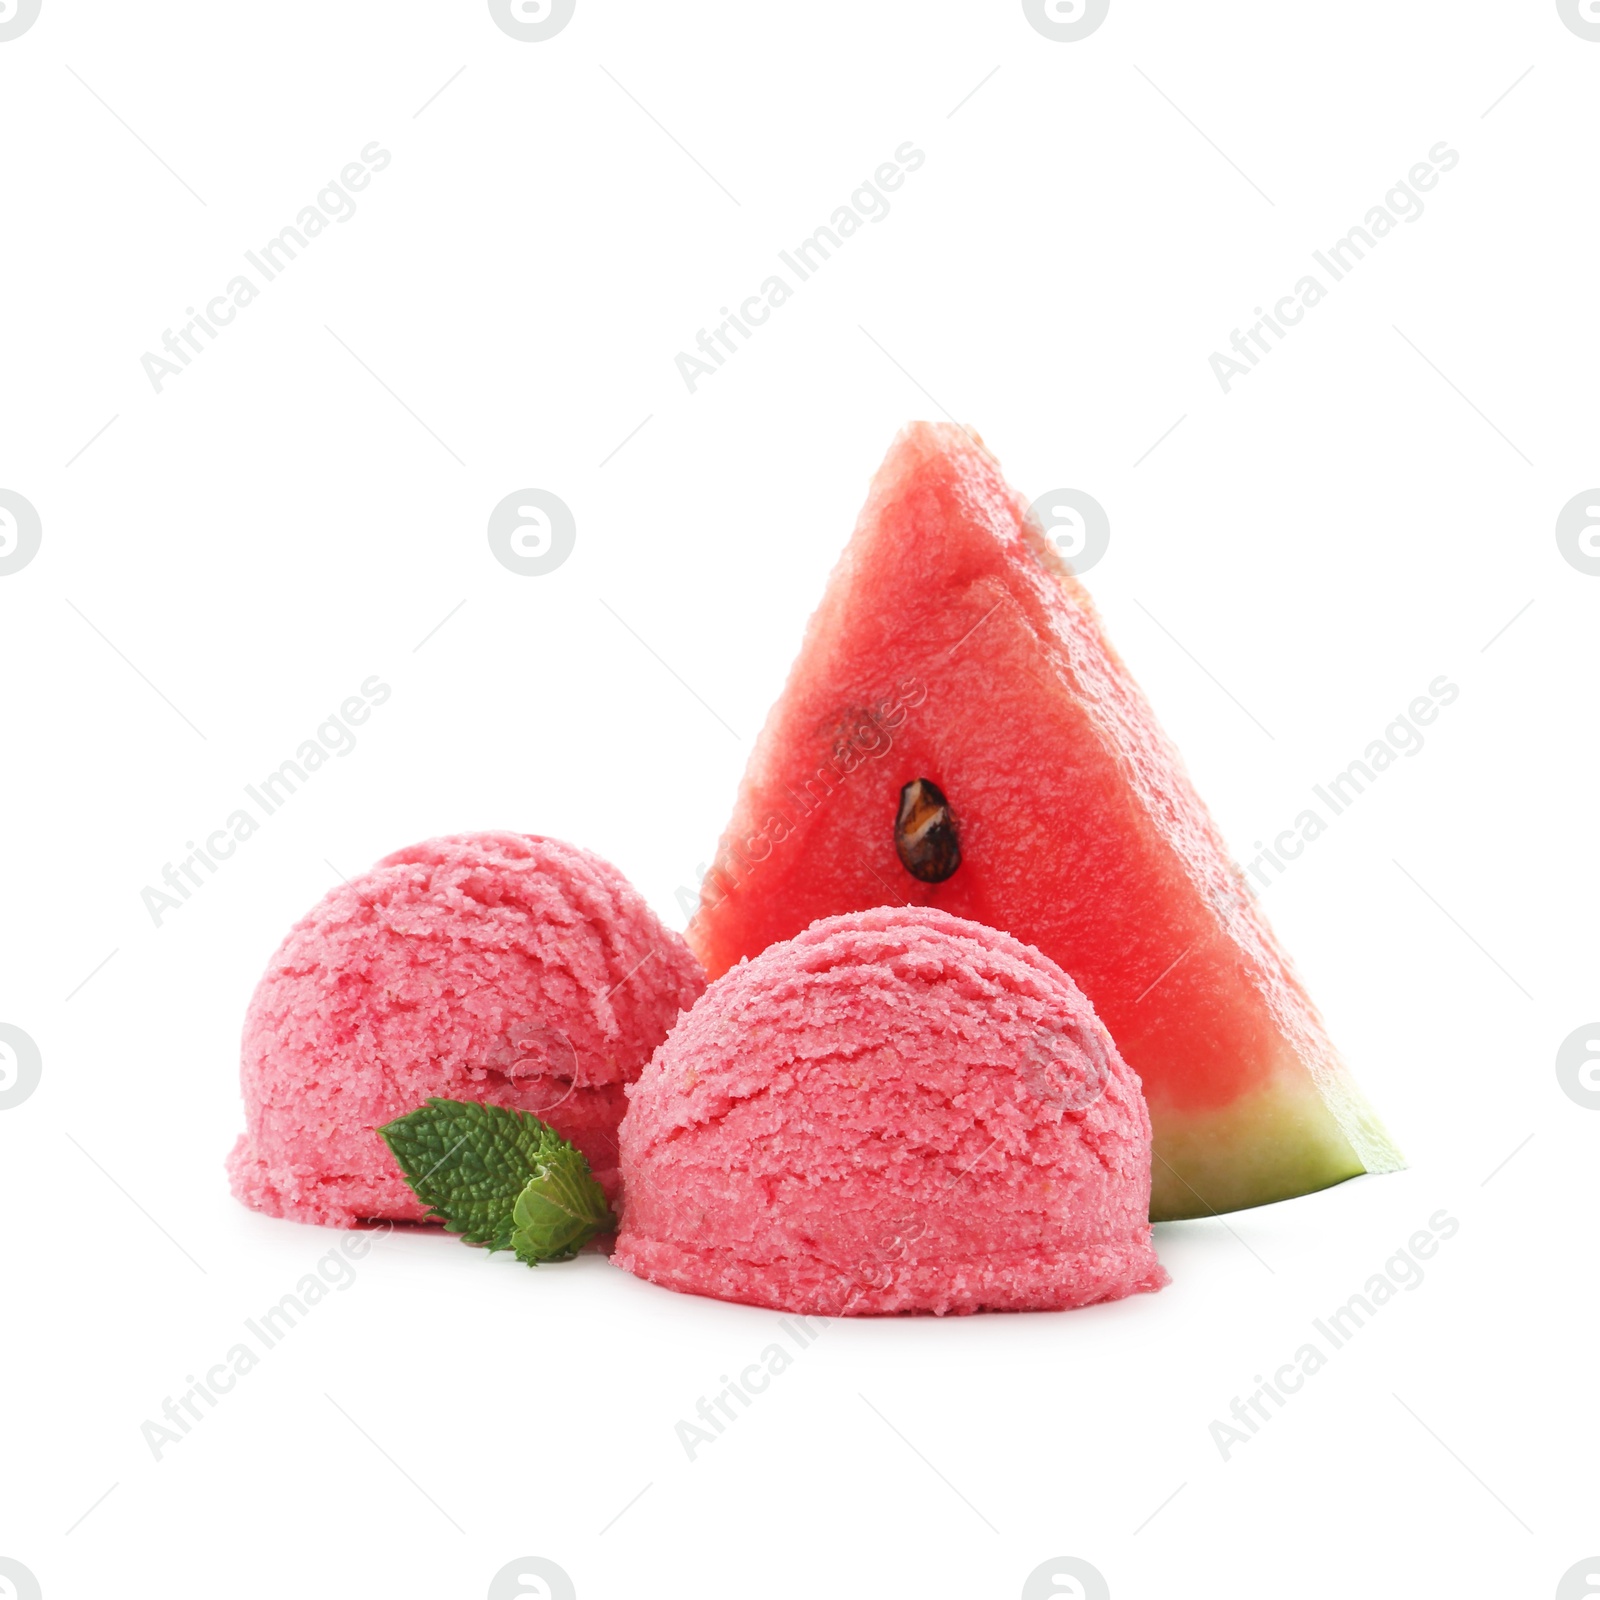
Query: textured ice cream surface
x=897 y=1110
x=497 y=967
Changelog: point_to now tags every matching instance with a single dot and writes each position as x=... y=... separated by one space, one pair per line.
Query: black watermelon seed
x=925 y=834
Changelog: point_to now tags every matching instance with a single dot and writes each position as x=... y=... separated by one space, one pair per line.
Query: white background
x=229 y=559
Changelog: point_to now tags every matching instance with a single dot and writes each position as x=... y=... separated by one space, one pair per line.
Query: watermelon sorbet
x=497 y=967
x=898 y=1110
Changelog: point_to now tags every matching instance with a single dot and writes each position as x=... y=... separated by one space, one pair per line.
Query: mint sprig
x=500 y=1178
x=560 y=1210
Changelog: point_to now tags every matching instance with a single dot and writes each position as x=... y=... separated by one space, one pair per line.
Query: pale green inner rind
x=1274 y=1144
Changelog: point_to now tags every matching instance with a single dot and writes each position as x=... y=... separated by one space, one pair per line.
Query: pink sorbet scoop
x=497 y=967
x=898 y=1110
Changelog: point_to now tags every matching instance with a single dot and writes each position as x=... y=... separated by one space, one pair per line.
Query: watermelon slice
x=957 y=732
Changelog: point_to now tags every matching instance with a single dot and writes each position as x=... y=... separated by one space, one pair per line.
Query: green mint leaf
x=470 y=1164
x=560 y=1210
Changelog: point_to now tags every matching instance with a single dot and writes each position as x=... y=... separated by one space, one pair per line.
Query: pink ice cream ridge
x=896 y=1111
x=497 y=967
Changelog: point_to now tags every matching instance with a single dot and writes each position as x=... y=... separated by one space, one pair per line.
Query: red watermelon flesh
x=954 y=647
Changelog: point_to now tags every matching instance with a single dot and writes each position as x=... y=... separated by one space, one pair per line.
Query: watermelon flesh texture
x=954 y=646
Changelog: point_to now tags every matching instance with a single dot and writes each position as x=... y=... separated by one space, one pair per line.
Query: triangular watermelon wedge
x=958 y=732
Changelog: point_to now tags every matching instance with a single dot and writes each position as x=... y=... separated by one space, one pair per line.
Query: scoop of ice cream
x=498 y=967
x=898 y=1110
